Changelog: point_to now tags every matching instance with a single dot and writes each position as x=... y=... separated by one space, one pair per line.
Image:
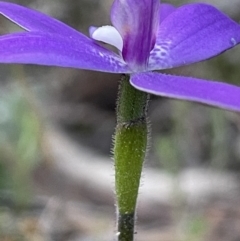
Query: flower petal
x=137 y=22
x=186 y=88
x=192 y=33
x=32 y=20
x=165 y=10
x=54 y=50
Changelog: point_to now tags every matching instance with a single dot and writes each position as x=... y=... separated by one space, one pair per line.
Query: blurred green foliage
x=19 y=144
x=196 y=228
x=199 y=135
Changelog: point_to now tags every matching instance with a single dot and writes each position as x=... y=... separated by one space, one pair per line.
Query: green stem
x=129 y=154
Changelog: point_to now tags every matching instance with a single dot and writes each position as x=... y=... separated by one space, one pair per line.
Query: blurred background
x=56 y=171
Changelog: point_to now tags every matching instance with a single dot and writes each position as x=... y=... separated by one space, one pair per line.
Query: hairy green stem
x=129 y=153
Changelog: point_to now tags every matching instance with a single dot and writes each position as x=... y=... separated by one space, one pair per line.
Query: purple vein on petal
x=137 y=22
x=193 y=33
x=32 y=20
x=186 y=88
x=54 y=50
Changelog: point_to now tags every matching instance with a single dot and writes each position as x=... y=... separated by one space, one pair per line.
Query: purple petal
x=165 y=10
x=32 y=20
x=186 y=88
x=193 y=33
x=54 y=50
x=137 y=22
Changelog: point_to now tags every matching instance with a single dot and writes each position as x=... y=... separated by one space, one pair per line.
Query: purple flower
x=147 y=35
